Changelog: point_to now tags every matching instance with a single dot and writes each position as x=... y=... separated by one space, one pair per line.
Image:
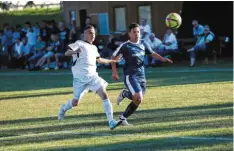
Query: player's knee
x=137 y=99
x=74 y=102
x=102 y=93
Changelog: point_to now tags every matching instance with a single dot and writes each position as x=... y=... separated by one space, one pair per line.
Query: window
x=145 y=12
x=120 y=19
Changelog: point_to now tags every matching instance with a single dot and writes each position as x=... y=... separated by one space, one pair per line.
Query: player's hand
x=115 y=76
x=78 y=50
x=118 y=58
x=167 y=60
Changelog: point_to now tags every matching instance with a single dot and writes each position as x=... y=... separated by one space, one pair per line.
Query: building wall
x=159 y=11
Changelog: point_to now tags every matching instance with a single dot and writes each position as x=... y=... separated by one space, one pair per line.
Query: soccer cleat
x=113 y=124
x=125 y=123
x=61 y=113
x=120 y=97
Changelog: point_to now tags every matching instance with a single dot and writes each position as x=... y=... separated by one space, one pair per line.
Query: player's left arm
x=155 y=55
x=108 y=61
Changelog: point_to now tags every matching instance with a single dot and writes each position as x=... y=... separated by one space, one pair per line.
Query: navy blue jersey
x=134 y=54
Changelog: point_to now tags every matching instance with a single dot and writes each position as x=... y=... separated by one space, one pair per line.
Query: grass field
x=184 y=109
x=32 y=15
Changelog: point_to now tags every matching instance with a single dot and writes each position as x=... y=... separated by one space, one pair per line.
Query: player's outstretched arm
x=108 y=61
x=157 y=56
x=70 y=52
x=115 y=75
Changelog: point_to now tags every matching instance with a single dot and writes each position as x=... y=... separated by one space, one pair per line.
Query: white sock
x=68 y=105
x=108 y=109
x=123 y=118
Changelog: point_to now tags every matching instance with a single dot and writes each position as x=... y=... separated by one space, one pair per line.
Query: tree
x=29 y=4
x=4 y=6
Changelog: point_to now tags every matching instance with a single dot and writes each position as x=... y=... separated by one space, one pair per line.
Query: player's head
x=89 y=33
x=195 y=23
x=134 y=32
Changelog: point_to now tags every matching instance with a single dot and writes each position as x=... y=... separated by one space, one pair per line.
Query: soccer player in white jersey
x=85 y=77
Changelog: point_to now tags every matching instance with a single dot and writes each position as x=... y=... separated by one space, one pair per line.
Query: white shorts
x=80 y=87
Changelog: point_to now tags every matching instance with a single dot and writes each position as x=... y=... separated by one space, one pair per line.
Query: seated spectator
x=201 y=45
x=146 y=28
x=197 y=29
x=18 y=59
x=38 y=52
x=26 y=50
x=155 y=44
x=169 y=42
x=50 y=51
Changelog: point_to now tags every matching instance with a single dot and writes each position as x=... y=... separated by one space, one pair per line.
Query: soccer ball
x=173 y=20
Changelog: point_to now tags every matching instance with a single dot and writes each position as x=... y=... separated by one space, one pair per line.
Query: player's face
x=90 y=35
x=134 y=34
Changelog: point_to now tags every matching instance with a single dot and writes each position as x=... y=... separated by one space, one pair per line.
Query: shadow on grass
x=143 y=117
x=156 y=144
x=155 y=79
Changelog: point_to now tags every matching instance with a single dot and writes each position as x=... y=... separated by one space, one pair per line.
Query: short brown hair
x=132 y=26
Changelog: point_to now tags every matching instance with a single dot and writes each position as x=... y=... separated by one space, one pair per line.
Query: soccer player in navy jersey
x=133 y=51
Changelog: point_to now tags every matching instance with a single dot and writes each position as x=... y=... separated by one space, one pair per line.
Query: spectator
x=4 y=60
x=144 y=35
x=169 y=42
x=44 y=31
x=74 y=32
x=17 y=60
x=16 y=33
x=31 y=36
x=36 y=29
x=39 y=51
x=9 y=35
x=64 y=35
x=88 y=21
x=26 y=50
x=197 y=29
x=201 y=45
x=146 y=28
x=53 y=26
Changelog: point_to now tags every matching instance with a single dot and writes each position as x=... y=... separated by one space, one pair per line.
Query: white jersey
x=84 y=63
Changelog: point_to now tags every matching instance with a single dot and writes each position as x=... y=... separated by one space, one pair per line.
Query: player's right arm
x=119 y=51
x=74 y=48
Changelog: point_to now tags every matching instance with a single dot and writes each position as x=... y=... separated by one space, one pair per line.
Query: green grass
x=181 y=111
x=32 y=15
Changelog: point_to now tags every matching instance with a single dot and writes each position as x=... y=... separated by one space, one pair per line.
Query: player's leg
x=98 y=85
x=79 y=91
x=125 y=93
x=134 y=87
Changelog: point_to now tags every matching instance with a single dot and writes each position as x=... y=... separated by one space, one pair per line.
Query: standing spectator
x=16 y=33
x=64 y=35
x=198 y=29
x=36 y=29
x=53 y=26
x=74 y=32
x=9 y=35
x=88 y=21
x=31 y=36
x=4 y=60
x=44 y=31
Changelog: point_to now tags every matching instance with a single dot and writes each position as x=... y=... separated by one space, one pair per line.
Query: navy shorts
x=135 y=84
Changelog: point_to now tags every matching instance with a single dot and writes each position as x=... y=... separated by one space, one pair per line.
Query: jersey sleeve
x=118 y=51
x=74 y=46
x=148 y=49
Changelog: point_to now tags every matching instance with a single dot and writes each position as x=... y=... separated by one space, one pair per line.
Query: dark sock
x=127 y=94
x=130 y=109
